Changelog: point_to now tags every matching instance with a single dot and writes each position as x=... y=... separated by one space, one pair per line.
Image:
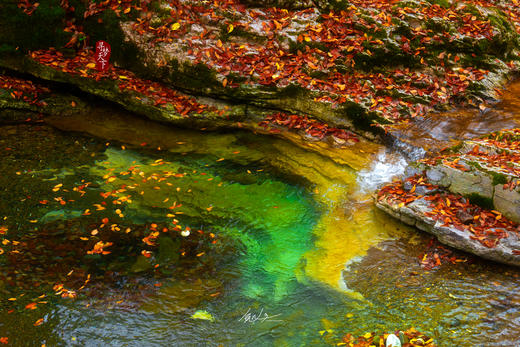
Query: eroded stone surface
x=414 y=214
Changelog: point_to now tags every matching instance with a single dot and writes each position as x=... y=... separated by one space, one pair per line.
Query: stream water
x=300 y=258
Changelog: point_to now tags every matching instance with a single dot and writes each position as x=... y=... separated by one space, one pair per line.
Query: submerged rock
x=141 y=264
x=393 y=341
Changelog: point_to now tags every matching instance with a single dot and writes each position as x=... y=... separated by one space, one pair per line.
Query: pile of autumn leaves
x=83 y=64
x=309 y=126
x=327 y=42
x=487 y=226
x=453 y=210
x=412 y=337
x=21 y=89
x=314 y=50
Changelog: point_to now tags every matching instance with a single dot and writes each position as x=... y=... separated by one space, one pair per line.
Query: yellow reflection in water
x=345 y=232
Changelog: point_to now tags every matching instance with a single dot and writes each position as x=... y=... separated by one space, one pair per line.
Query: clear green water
x=285 y=219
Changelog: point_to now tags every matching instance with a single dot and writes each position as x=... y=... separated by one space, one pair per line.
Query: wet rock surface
x=470 y=186
x=415 y=214
x=316 y=58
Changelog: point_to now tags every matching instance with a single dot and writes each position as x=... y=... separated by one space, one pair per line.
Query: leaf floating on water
x=204 y=315
x=99 y=248
x=31 y=306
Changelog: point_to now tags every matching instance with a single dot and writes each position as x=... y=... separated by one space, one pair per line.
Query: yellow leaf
x=127 y=10
x=201 y=314
x=230 y=28
x=175 y=26
x=91 y=65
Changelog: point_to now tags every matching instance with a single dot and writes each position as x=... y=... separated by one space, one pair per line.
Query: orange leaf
x=31 y=306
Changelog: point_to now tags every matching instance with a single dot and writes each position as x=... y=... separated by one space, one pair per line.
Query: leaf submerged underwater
x=202 y=314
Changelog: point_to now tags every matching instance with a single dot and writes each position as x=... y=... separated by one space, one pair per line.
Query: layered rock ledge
x=358 y=65
x=468 y=197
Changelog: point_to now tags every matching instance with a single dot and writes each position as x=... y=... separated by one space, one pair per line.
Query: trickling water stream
x=287 y=216
x=438 y=130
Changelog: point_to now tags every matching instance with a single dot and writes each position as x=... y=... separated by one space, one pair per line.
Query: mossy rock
x=141 y=264
x=441 y=3
x=46 y=25
x=124 y=53
x=289 y=4
x=480 y=200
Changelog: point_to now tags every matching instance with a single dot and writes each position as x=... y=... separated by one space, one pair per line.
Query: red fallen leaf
x=4 y=340
x=31 y=306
